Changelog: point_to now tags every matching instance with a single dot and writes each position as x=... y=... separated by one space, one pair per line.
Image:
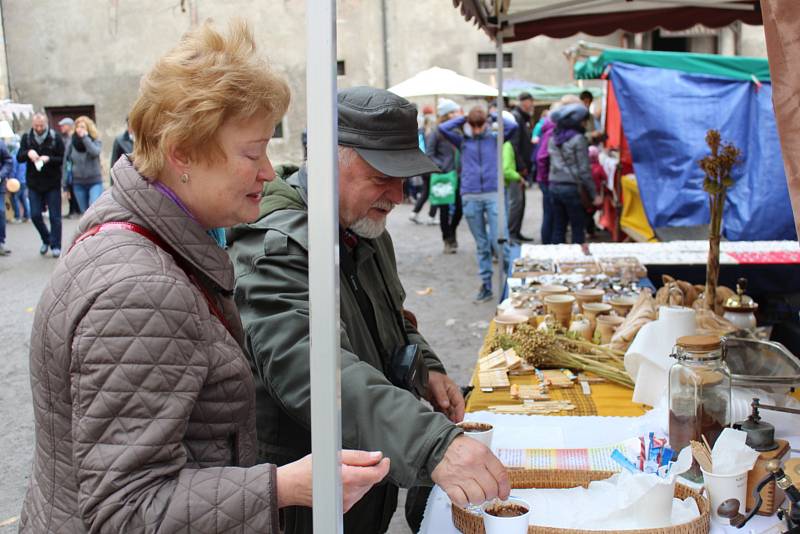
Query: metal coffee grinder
x=761 y=437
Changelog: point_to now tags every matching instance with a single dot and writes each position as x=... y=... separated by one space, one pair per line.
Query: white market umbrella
x=437 y=81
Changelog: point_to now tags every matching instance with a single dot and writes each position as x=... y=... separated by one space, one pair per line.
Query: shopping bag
x=443 y=188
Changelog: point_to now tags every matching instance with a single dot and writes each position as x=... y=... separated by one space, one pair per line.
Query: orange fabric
x=613 y=119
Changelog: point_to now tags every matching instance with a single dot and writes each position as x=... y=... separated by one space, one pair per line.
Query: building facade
x=87 y=56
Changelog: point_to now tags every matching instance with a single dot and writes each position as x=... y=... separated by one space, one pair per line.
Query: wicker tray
x=470 y=523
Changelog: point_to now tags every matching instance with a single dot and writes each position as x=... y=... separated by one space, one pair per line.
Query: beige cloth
x=144 y=403
x=782 y=28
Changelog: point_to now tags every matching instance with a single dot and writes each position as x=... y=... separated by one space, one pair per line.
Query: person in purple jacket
x=477 y=141
x=542 y=177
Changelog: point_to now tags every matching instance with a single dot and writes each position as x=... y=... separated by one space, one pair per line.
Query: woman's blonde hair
x=90 y=125
x=197 y=86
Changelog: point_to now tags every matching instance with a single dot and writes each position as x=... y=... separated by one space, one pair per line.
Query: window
x=56 y=113
x=278 y=131
x=489 y=61
x=340 y=67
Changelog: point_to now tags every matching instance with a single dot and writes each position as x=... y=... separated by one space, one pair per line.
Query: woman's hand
x=80 y=131
x=360 y=471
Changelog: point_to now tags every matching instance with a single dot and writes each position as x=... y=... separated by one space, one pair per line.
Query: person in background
x=510 y=173
x=145 y=418
x=19 y=200
x=570 y=170
x=543 y=173
x=66 y=128
x=425 y=179
x=83 y=156
x=123 y=144
x=478 y=146
x=43 y=151
x=600 y=178
x=6 y=172
x=445 y=155
x=594 y=130
x=523 y=147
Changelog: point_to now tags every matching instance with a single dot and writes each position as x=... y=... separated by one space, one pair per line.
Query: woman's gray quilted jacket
x=144 y=403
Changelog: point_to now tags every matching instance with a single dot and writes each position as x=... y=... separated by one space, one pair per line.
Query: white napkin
x=730 y=454
x=647 y=359
x=626 y=501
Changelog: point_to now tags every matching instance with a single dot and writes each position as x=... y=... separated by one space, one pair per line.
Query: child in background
x=600 y=178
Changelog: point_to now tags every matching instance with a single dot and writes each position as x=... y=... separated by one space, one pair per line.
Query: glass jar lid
x=699 y=343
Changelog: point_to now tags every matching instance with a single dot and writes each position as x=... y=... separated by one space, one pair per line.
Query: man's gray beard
x=368 y=228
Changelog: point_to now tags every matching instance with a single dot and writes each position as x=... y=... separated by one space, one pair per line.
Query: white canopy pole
x=323 y=261
x=501 y=183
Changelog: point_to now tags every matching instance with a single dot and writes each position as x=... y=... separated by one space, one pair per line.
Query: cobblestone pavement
x=451 y=323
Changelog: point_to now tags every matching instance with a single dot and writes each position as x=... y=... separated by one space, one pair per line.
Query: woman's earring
x=185 y=177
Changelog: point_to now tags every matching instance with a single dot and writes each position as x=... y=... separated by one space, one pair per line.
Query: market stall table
x=769 y=266
x=603 y=417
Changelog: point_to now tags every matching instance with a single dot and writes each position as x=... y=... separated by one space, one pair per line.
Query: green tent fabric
x=735 y=67
x=551 y=93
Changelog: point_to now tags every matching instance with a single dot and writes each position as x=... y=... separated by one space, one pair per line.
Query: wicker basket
x=471 y=523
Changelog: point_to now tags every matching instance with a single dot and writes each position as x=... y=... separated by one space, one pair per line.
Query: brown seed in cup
x=507 y=510
x=475 y=427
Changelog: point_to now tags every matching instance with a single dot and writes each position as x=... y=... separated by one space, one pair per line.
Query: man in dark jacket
x=522 y=149
x=271 y=261
x=123 y=144
x=6 y=171
x=43 y=151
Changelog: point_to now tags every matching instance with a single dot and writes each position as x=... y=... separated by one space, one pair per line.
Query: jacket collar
x=167 y=219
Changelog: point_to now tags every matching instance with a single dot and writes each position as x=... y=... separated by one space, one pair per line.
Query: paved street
x=452 y=324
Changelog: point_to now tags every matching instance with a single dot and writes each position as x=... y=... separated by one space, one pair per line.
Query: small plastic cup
x=723 y=487
x=484 y=435
x=494 y=524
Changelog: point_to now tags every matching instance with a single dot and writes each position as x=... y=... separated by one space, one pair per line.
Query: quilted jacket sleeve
x=140 y=359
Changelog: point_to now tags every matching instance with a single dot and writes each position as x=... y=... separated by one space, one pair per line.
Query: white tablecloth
x=673 y=252
x=516 y=431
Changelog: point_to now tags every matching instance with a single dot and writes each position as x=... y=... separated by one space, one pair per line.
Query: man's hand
x=33 y=155
x=470 y=474
x=44 y=159
x=445 y=396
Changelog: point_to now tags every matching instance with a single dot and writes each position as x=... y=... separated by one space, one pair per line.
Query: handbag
x=444 y=186
x=586 y=199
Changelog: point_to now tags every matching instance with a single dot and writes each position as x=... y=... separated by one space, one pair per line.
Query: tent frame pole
x=323 y=273
x=502 y=226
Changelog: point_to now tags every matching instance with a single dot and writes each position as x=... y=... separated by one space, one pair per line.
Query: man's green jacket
x=271 y=261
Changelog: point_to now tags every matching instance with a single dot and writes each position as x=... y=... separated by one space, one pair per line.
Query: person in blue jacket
x=477 y=141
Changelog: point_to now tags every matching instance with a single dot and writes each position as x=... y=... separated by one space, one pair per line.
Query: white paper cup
x=484 y=436
x=506 y=525
x=723 y=487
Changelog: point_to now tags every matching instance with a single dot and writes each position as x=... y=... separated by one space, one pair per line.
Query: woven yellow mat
x=607 y=399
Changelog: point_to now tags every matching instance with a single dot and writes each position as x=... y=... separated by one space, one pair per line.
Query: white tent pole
x=501 y=189
x=323 y=272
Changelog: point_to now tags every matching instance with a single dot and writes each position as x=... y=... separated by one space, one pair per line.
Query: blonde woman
x=83 y=154
x=144 y=401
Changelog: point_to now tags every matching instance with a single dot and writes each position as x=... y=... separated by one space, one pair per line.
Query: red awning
x=627 y=15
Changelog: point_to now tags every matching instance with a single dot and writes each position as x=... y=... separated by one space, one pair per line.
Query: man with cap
x=66 y=127
x=378 y=147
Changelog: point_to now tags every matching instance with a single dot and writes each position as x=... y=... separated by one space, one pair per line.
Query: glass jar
x=699 y=394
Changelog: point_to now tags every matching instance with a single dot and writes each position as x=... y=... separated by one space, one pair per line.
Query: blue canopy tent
x=667 y=101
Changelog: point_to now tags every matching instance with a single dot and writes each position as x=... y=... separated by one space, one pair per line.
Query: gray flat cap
x=382 y=128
